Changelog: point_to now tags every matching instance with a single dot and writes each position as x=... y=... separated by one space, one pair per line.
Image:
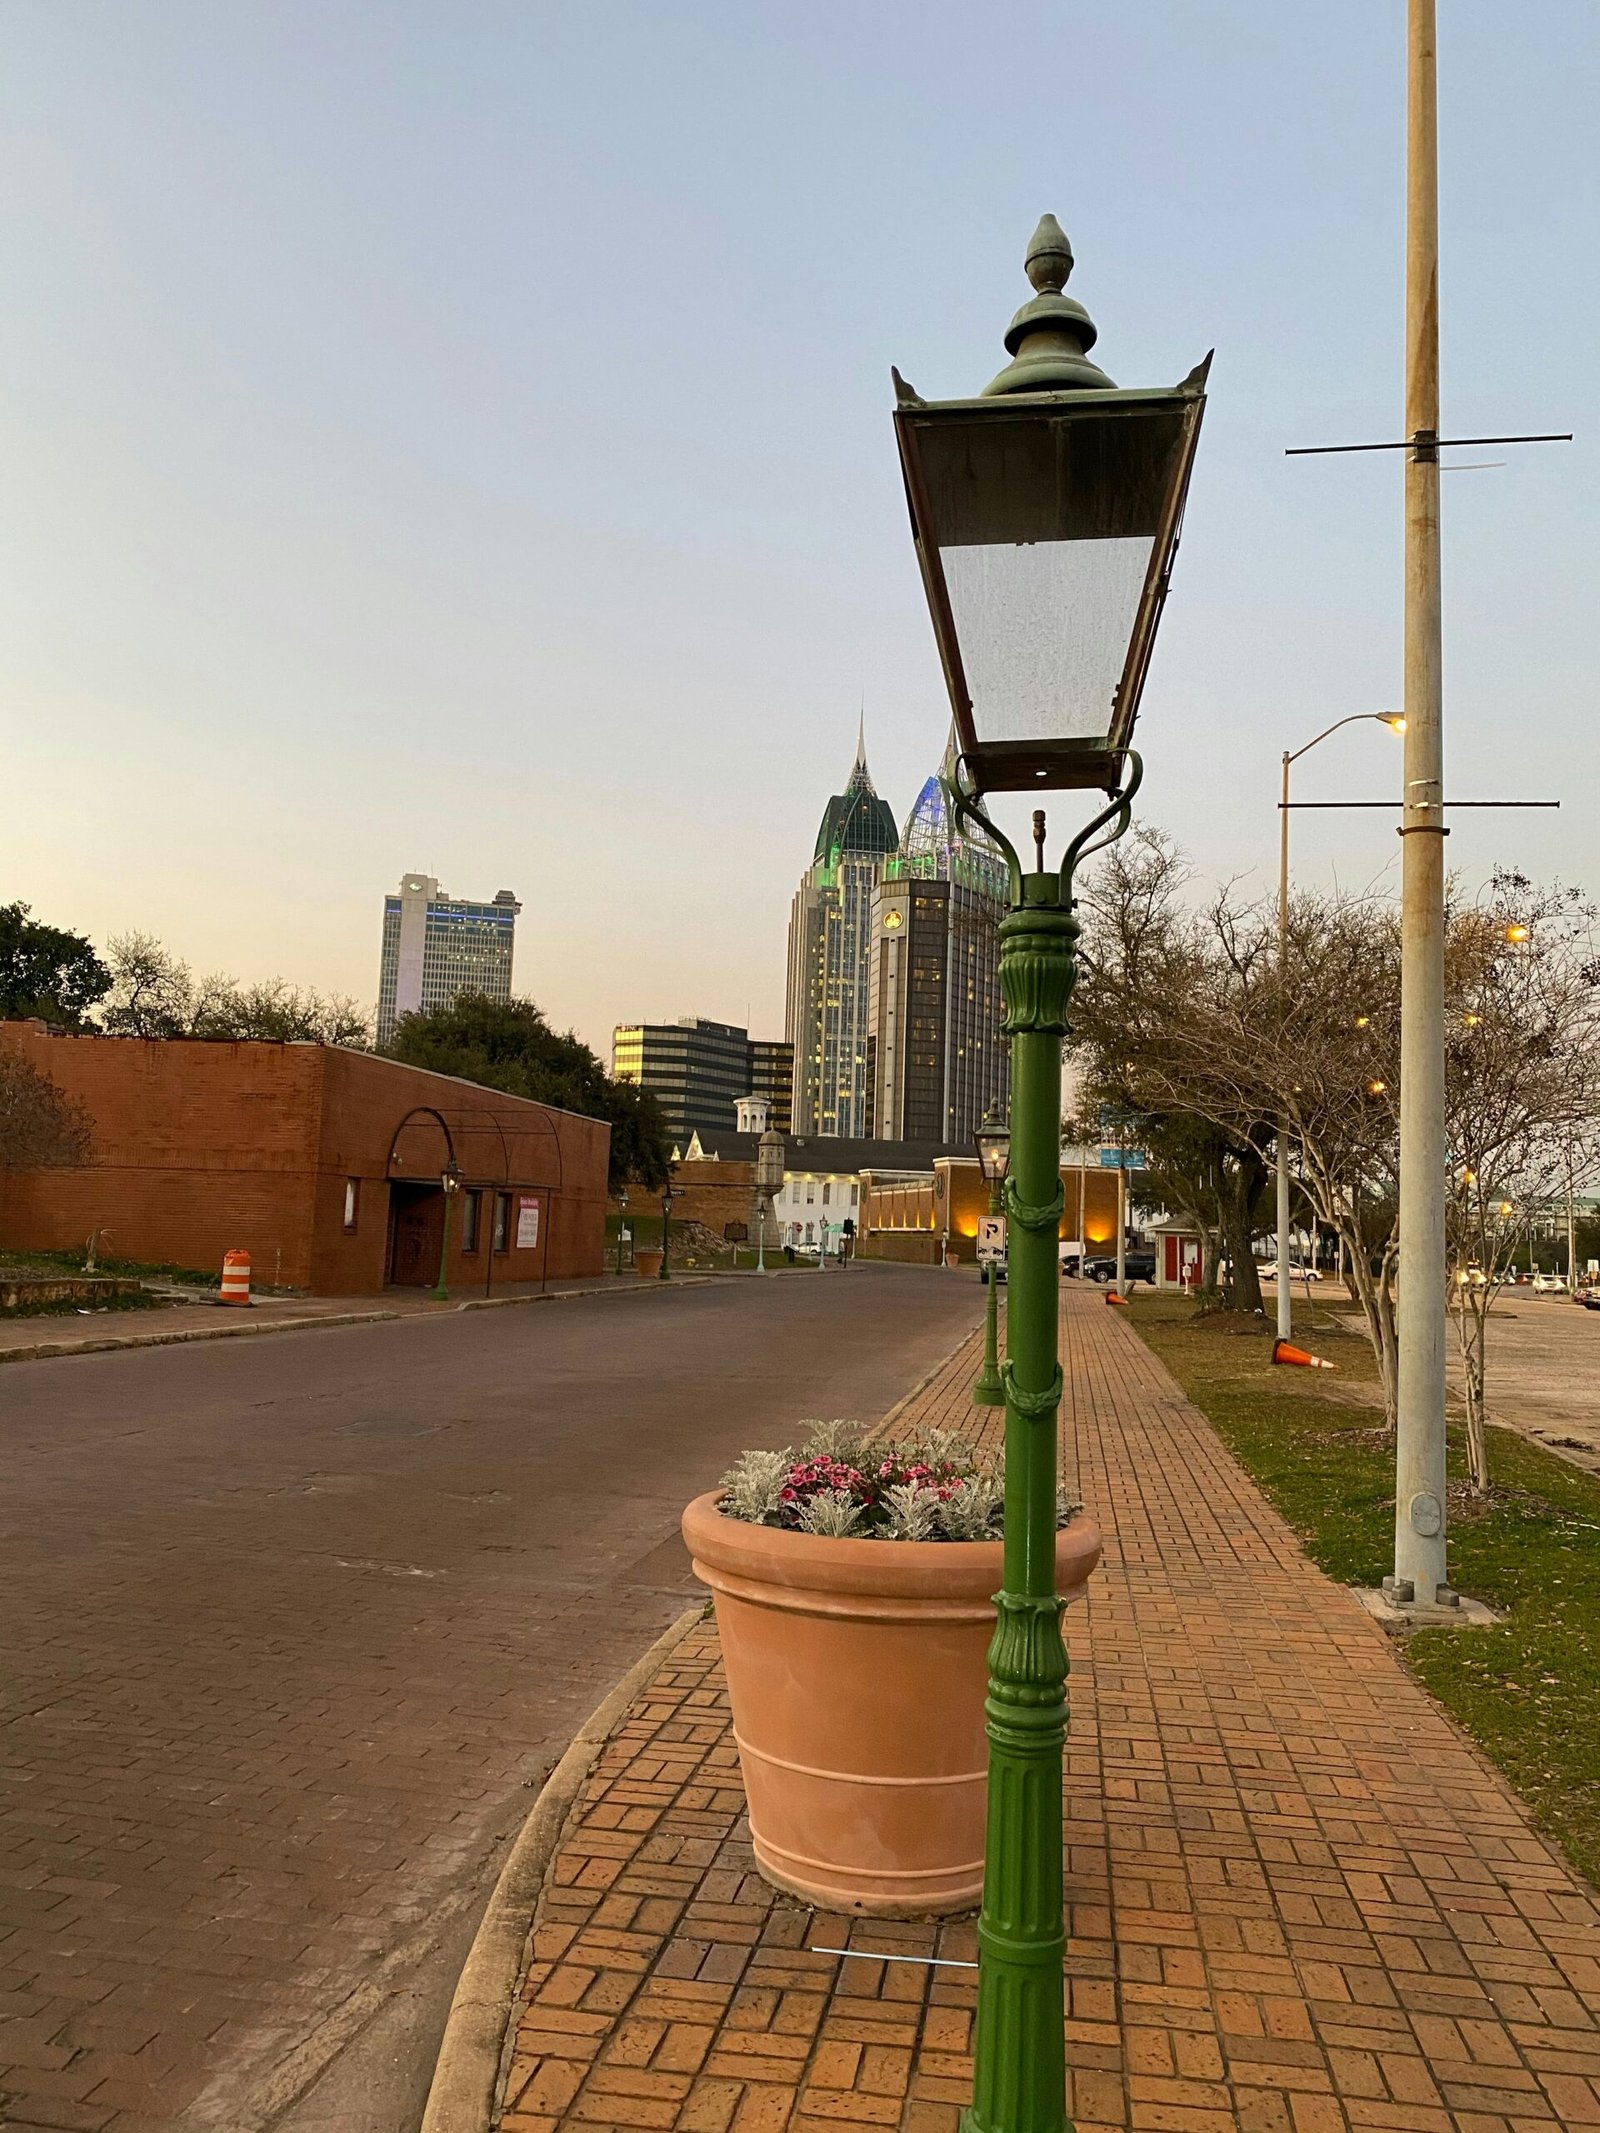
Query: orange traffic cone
x=1286 y=1352
x=1113 y=1298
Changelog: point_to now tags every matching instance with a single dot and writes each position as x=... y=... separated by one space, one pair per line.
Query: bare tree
x=1192 y=1011
x=1141 y=957
x=41 y=1126
x=154 y=994
x=276 y=1010
x=1523 y=1000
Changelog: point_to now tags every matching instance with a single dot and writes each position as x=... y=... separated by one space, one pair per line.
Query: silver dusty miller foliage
x=832 y=1513
x=967 y=1503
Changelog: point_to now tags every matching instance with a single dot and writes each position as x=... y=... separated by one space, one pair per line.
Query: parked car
x=1549 y=1285
x=1587 y=1293
x=1137 y=1266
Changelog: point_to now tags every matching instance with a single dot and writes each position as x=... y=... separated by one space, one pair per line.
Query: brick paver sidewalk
x=1298 y=1901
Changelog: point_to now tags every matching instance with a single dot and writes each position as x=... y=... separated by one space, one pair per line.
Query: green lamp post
x=666 y=1229
x=1045 y=515
x=993 y=1143
x=450 y=1179
x=622 y=1228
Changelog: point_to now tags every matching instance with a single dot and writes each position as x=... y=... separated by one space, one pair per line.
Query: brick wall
x=714 y=1193
x=203 y=1148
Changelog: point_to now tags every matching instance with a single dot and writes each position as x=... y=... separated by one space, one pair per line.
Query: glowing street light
x=1395 y=722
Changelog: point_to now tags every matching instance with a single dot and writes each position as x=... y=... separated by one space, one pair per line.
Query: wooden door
x=418 y=1236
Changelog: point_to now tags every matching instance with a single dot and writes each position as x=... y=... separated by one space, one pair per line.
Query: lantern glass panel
x=1046 y=525
x=993 y=1139
x=1044 y=631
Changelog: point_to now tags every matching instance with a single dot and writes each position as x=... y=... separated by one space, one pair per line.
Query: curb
x=238 y=1329
x=46 y=1350
x=466 y=2075
x=561 y=1296
x=923 y=1383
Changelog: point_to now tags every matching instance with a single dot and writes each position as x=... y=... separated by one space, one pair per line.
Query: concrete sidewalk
x=200 y=1318
x=1298 y=1900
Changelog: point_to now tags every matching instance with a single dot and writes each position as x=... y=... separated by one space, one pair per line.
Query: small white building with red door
x=1178 y=1256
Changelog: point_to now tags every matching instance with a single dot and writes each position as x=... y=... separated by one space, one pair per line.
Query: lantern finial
x=1049 y=339
x=1049 y=260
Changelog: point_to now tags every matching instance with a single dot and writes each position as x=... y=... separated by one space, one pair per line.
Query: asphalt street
x=293 y=1629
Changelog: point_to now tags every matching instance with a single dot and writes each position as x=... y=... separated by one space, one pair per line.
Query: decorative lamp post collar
x=1049 y=339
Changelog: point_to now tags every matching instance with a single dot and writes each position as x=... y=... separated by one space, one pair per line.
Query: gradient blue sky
x=456 y=437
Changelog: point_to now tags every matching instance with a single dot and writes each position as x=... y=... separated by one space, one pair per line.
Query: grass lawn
x=1528 y=1691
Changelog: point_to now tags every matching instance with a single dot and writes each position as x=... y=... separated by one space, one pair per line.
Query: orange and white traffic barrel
x=236 y=1277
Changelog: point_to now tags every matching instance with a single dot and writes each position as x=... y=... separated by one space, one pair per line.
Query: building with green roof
x=830 y=937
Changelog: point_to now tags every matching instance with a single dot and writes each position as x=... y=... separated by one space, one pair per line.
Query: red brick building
x=325 y=1165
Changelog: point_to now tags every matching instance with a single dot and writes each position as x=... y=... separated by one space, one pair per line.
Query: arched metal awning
x=487 y=1148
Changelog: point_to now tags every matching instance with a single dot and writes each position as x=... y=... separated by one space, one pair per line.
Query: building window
x=471 y=1214
x=826 y=1189
x=502 y=1220
x=811 y=1198
x=352 y=1203
x=854 y=1194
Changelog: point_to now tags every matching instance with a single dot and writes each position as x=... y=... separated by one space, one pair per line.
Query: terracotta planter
x=856 y=1674
x=647 y=1261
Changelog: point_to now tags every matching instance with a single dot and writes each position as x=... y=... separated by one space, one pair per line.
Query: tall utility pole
x=1285 y=1300
x=1419 y=1547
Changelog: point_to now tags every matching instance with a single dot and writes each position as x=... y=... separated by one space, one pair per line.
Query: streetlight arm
x=1351 y=718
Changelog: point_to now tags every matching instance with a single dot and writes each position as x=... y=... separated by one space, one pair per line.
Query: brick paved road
x=290 y=1628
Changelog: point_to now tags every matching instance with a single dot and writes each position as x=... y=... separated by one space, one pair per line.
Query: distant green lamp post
x=622 y=1228
x=1046 y=515
x=666 y=1228
x=993 y=1143
x=450 y=1179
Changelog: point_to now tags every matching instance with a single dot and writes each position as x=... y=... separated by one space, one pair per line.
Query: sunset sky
x=456 y=438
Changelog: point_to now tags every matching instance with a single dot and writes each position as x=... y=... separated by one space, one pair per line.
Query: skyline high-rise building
x=830 y=934
x=772 y=1079
x=436 y=947
x=698 y=1071
x=939 y=1060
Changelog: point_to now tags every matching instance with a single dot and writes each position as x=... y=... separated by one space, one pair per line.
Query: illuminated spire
x=860 y=776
